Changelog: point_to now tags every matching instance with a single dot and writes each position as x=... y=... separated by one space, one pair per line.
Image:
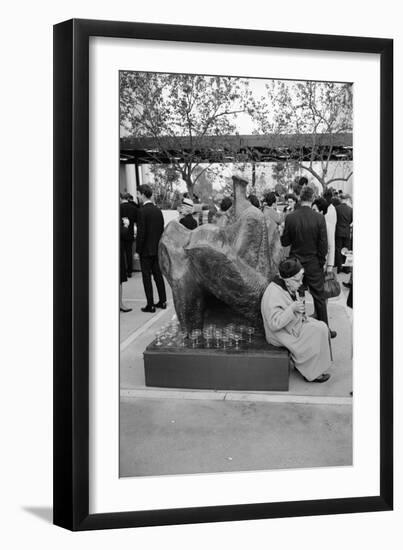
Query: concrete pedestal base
x=256 y=366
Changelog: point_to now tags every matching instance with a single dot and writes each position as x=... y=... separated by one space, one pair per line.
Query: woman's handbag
x=332 y=285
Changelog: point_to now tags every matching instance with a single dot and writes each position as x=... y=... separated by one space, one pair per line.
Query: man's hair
x=321 y=204
x=296 y=187
x=303 y=181
x=145 y=190
x=306 y=194
x=226 y=203
x=270 y=198
x=254 y=200
x=328 y=195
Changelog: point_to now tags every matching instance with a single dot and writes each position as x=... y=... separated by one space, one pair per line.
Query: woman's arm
x=278 y=317
x=330 y=244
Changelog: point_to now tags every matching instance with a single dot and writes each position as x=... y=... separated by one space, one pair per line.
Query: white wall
x=26 y=276
x=127 y=179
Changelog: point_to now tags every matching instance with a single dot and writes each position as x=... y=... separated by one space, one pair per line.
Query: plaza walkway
x=167 y=431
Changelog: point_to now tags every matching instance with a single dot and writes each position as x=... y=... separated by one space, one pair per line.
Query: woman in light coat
x=329 y=211
x=286 y=324
x=331 y=220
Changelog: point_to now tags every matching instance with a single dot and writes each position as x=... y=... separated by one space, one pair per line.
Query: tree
x=166 y=179
x=279 y=175
x=166 y=107
x=308 y=110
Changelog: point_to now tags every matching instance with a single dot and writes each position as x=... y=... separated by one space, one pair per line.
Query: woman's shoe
x=125 y=309
x=322 y=378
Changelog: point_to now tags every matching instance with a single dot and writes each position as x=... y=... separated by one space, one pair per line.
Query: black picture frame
x=71 y=274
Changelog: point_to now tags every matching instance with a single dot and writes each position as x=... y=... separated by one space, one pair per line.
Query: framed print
x=207 y=364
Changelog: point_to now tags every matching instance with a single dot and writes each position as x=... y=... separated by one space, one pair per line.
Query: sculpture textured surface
x=233 y=264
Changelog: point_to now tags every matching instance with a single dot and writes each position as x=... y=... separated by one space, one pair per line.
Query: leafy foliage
x=168 y=106
x=309 y=108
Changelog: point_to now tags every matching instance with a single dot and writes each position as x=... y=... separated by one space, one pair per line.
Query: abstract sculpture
x=232 y=265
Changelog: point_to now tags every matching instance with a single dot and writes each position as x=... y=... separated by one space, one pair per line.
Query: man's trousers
x=150 y=266
x=314 y=280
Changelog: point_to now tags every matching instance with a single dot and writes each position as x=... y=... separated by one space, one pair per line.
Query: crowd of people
x=315 y=233
x=149 y=223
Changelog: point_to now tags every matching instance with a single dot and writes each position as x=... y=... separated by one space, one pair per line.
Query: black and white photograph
x=235 y=199
x=199 y=346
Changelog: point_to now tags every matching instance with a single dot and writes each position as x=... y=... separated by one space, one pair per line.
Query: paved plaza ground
x=173 y=431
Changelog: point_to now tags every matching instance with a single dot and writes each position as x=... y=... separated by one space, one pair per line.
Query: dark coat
x=122 y=258
x=150 y=226
x=344 y=219
x=129 y=210
x=305 y=231
x=188 y=221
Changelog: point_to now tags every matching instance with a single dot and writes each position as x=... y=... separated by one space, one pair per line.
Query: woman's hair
x=254 y=200
x=292 y=196
x=270 y=198
x=321 y=204
x=225 y=204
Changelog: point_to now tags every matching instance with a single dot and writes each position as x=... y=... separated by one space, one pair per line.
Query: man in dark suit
x=343 y=230
x=150 y=226
x=305 y=232
x=128 y=210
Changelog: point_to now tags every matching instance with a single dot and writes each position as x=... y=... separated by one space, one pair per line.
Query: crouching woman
x=286 y=324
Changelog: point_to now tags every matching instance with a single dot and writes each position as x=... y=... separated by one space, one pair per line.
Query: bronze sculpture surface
x=230 y=265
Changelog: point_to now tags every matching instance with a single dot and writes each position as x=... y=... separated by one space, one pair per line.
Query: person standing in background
x=305 y=232
x=254 y=200
x=124 y=227
x=331 y=220
x=186 y=214
x=343 y=230
x=335 y=198
x=150 y=226
x=321 y=206
x=133 y=205
x=223 y=215
x=128 y=211
x=292 y=200
x=269 y=209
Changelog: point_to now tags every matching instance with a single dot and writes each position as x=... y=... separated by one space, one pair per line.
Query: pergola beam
x=241 y=148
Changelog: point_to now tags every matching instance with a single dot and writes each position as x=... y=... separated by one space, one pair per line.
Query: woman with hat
x=287 y=325
x=186 y=213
